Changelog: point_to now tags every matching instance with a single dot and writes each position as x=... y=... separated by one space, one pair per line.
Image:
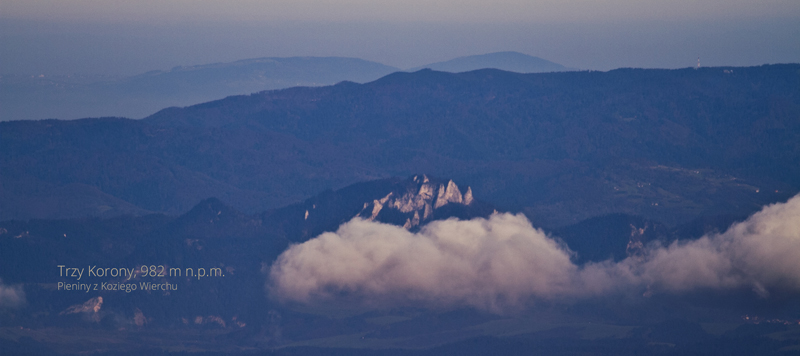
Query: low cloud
x=763 y=253
x=480 y=262
x=504 y=262
x=11 y=296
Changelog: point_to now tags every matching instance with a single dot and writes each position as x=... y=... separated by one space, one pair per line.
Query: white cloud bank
x=504 y=262
x=11 y=296
x=762 y=252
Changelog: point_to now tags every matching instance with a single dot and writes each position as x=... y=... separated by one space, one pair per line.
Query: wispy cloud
x=11 y=296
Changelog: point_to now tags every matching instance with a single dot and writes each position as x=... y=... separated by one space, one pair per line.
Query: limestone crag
x=417 y=201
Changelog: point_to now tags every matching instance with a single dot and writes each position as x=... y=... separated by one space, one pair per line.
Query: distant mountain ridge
x=73 y=97
x=137 y=96
x=257 y=74
x=669 y=145
x=508 y=61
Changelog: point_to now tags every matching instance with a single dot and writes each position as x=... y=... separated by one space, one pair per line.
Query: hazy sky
x=396 y=10
x=132 y=36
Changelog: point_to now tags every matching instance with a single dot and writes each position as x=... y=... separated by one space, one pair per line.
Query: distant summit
x=508 y=61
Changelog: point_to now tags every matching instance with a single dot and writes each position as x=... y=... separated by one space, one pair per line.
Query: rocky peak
x=410 y=202
x=416 y=201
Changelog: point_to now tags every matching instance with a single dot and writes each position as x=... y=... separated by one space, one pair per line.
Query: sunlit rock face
x=416 y=201
x=409 y=202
